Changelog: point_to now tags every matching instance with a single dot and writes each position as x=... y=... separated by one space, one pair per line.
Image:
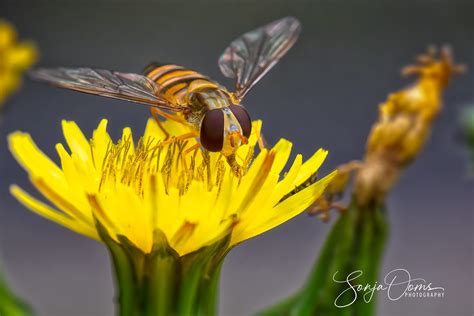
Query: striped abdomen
x=174 y=81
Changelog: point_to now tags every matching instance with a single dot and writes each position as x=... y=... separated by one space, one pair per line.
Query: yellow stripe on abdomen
x=176 y=74
x=173 y=81
x=159 y=71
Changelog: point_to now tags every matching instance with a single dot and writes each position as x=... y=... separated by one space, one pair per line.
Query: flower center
x=171 y=161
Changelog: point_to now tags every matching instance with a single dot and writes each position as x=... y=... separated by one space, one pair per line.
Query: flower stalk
x=467 y=125
x=11 y=304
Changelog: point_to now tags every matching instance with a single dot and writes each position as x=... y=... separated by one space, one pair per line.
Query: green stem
x=356 y=242
x=467 y=125
x=162 y=283
x=10 y=304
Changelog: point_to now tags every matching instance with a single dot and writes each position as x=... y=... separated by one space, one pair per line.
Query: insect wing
x=123 y=86
x=252 y=55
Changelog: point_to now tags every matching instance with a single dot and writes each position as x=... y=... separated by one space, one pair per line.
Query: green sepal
x=356 y=242
x=201 y=271
x=161 y=282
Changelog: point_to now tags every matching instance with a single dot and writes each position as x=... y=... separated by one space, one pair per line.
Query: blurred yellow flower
x=193 y=198
x=406 y=118
x=403 y=127
x=15 y=58
x=404 y=124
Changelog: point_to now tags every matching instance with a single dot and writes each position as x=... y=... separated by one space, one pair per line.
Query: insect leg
x=179 y=137
x=334 y=191
x=192 y=148
x=323 y=207
x=155 y=112
x=158 y=121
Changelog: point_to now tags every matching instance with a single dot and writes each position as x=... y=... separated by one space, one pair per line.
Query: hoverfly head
x=225 y=129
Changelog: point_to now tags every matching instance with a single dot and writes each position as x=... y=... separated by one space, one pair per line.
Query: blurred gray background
x=325 y=93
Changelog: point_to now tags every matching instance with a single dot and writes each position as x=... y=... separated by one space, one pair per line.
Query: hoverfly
x=216 y=116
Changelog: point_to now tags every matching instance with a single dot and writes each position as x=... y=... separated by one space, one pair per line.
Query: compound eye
x=244 y=119
x=212 y=130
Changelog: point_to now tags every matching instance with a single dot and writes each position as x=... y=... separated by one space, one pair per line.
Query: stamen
x=220 y=174
x=248 y=159
x=178 y=167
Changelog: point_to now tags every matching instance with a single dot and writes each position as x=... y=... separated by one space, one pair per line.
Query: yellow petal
x=76 y=140
x=311 y=166
x=254 y=179
x=100 y=142
x=63 y=201
x=79 y=177
x=253 y=139
x=129 y=216
x=127 y=137
x=285 y=210
x=45 y=211
x=282 y=152
x=34 y=161
x=288 y=183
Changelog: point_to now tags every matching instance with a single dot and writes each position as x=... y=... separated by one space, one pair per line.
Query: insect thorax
x=202 y=100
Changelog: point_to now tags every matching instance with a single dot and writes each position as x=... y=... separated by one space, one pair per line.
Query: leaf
x=10 y=304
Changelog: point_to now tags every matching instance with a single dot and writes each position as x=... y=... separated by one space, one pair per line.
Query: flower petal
x=99 y=144
x=284 y=211
x=311 y=166
x=76 y=141
x=45 y=211
x=34 y=161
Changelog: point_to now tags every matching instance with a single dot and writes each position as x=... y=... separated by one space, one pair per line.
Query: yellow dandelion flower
x=15 y=58
x=155 y=195
x=403 y=127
